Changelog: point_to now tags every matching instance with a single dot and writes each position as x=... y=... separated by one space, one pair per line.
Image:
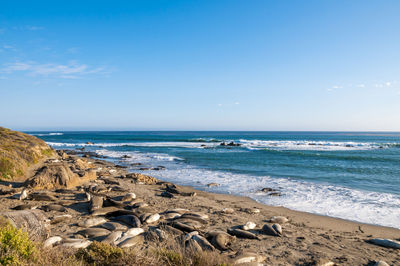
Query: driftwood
x=31 y=221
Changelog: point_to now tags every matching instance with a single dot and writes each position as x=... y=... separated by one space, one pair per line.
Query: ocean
x=349 y=175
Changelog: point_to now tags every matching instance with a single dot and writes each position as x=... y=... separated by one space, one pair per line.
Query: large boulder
x=18 y=151
x=32 y=221
x=142 y=179
x=59 y=175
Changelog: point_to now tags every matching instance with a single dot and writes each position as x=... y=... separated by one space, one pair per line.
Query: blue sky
x=200 y=65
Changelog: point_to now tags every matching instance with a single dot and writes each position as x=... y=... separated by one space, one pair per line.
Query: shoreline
x=345 y=240
x=285 y=209
x=306 y=239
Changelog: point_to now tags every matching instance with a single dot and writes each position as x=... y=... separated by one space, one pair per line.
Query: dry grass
x=19 y=150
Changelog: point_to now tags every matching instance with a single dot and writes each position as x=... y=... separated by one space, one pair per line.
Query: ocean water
x=354 y=176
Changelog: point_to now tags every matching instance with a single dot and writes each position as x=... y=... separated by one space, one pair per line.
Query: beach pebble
x=213 y=185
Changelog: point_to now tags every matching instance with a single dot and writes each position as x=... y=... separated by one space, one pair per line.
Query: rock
x=142 y=179
x=387 y=243
x=18 y=151
x=52 y=241
x=268 y=189
x=213 y=185
x=274 y=194
x=34 y=222
x=58 y=175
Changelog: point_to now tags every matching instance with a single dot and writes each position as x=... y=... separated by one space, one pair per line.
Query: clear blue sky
x=200 y=65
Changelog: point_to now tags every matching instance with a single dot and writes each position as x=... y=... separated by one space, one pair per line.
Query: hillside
x=18 y=151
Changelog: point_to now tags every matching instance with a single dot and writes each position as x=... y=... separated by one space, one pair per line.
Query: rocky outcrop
x=18 y=151
x=142 y=179
x=31 y=221
x=59 y=175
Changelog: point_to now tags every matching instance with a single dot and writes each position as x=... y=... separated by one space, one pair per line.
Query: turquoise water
x=353 y=176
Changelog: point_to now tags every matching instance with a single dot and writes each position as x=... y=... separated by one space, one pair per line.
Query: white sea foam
x=249 y=144
x=137 y=144
x=49 y=134
x=138 y=156
x=363 y=206
x=309 y=145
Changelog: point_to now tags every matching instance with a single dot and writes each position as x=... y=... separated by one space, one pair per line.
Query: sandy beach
x=306 y=239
